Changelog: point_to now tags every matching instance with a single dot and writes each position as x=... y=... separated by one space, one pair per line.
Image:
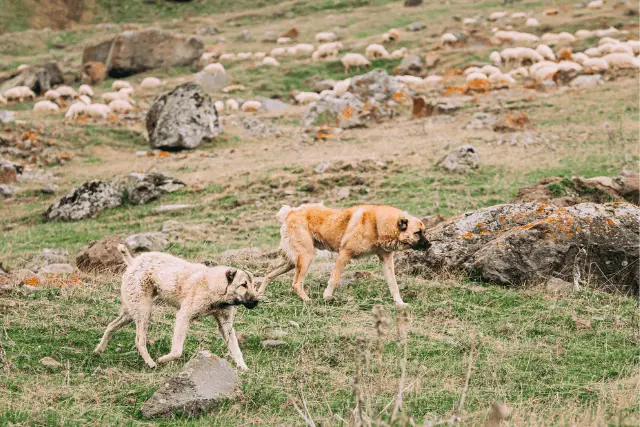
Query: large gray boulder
x=375 y=86
x=144 y=242
x=519 y=244
x=460 y=160
x=140 y=188
x=204 y=382
x=84 y=202
x=39 y=78
x=132 y=52
x=334 y=110
x=182 y=118
x=48 y=256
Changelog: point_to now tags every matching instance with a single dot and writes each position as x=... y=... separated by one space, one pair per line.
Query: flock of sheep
x=527 y=57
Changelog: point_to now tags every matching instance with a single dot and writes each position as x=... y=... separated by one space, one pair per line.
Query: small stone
x=152 y=241
x=278 y=333
x=322 y=167
x=50 y=363
x=141 y=153
x=460 y=160
x=341 y=193
x=416 y=26
x=172 y=226
x=7 y=191
x=55 y=269
x=272 y=343
x=245 y=36
x=49 y=189
x=171 y=208
x=294 y=324
x=556 y=285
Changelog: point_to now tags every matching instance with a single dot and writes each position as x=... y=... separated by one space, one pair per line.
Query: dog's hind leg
x=119 y=322
x=141 y=317
x=179 y=335
x=285 y=266
x=302 y=266
x=341 y=262
x=225 y=326
x=389 y=273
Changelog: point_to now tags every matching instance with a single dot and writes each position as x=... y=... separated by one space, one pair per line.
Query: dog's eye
x=418 y=233
x=243 y=285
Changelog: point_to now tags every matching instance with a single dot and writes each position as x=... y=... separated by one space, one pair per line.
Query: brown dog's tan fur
x=352 y=232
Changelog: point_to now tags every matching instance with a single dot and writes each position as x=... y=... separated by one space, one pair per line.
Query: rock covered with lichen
x=528 y=243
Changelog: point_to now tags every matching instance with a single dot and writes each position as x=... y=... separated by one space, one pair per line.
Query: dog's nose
x=250 y=304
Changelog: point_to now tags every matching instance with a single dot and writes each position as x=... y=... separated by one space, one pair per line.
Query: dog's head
x=240 y=288
x=411 y=233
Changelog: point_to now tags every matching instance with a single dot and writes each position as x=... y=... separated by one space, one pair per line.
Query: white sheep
x=325 y=37
x=113 y=96
x=516 y=37
x=52 y=95
x=433 y=80
x=259 y=55
x=545 y=73
x=227 y=57
x=66 y=92
x=469 y=22
x=560 y=38
x=97 y=111
x=605 y=40
x=520 y=55
x=270 y=61
x=532 y=23
x=119 y=106
x=546 y=52
x=592 y=51
x=518 y=15
x=615 y=48
x=244 y=55
x=19 y=93
x=219 y=106
x=391 y=35
x=327 y=50
x=495 y=58
x=304 y=48
x=216 y=67
x=607 y=32
x=3 y=100
x=580 y=58
x=354 y=60
x=489 y=69
x=635 y=46
x=569 y=66
x=306 y=97
x=448 y=39
x=120 y=84
x=278 y=51
x=399 y=53
x=150 y=83
x=207 y=56
x=412 y=82
x=232 y=105
x=291 y=51
x=470 y=70
x=477 y=78
x=375 y=51
x=497 y=15
x=595 y=4
x=127 y=91
x=75 y=110
x=45 y=107
x=585 y=34
x=501 y=80
x=519 y=72
x=84 y=99
x=327 y=92
x=342 y=87
x=595 y=65
x=283 y=40
x=622 y=60
x=539 y=65
x=251 y=106
x=22 y=67
x=85 y=90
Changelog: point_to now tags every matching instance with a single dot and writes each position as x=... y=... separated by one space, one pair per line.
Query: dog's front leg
x=225 y=325
x=183 y=317
x=341 y=262
x=387 y=267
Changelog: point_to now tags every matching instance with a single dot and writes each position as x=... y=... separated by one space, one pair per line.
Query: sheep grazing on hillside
x=278 y=51
x=448 y=39
x=532 y=23
x=412 y=82
x=595 y=65
x=470 y=70
x=495 y=58
x=560 y=38
x=569 y=66
x=67 y=92
x=85 y=90
x=592 y=51
x=433 y=80
x=113 y=96
x=489 y=69
x=391 y=36
x=342 y=87
x=518 y=15
x=227 y=57
x=399 y=53
x=596 y=4
x=19 y=93
x=477 y=78
x=219 y=106
x=519 y=72
x=497 y=15
x=546 y=52
x=304 y=48
x=585 y=34
x=305 y=97
x=244 y=55
x=520 y=56
x=499 y=80
x=539 y=65
x=326 y=37
x=75 y=110
x=270 y=61
x=52 y=95
x=119 y=106
x=291 y=51
x=605 y=40
x=216 y=67
x=469 y=22
x=150 y=83
x=376 y=51
x=516 y=37
x=128 y=91
x=84 y=99
x=622 y=60
x=580 y=58
x=232 y=105
x=635 y=46
x=45 y=107
x=327 y=51
x=97 y=111
x=251 y=106
x=544 y=73
x=615 y=48
x=607 y=32
x=259 y=55
x=120 y=84
x=354 y=60
x=283 y=40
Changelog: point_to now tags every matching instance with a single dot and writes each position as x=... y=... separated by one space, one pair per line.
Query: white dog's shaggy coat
x=195 y=289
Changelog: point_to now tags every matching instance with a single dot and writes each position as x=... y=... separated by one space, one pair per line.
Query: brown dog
x=352 y=232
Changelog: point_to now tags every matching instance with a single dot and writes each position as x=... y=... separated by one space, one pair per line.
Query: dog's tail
x=126 y=256
x=283 y=213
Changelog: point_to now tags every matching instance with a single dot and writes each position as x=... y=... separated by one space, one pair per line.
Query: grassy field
x=555 y=358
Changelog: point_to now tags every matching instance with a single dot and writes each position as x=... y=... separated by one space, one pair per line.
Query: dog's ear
x=231 y=274
x=403 y=224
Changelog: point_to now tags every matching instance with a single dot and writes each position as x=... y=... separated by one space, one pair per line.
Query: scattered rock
x=294 y=324
x=140 y=188
x=257 y=128
x=246 y=36
x=556 y=285
x=513 y=122
x=172 y=226
x=340 y=193
x=204 y=382
x=47 y=257
x=9 y=171
x=182 y=118
x=55 y=269
x=432 y=59
x=412 y=3
x=273 y=343
x=269 y=104
x=515 y=244
x=51 y=363
x=522 y=139
x=498 y=413
x=376 y=86
x=416 y=26
x=411 y=65
x=38 y=78
x=327 y=84
x=269 y=37
x=133 y=52
x=147 y=242
x=341 y=111
x=278 y=333
x=431 y=221
x=434 y=107
x=7 y=191
x=587 y=81
x=481 y=120
x=212 y=82
x=102 y=256
x=460 y=160
x=6 y=116
x=171 y=208
x=208 y=31
x=84 y=202
x=50 y=189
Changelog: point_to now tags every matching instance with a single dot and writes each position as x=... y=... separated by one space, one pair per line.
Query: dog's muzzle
x=422 y=244
x=250 y=304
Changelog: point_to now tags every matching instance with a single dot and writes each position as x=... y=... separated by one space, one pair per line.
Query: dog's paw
x=98 y=350
x=243 y=367
x=402 y=305
x=152 y=365
x=329 y=298
x=167 y=358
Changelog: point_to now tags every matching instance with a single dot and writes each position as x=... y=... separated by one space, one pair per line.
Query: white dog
x=195 y=289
